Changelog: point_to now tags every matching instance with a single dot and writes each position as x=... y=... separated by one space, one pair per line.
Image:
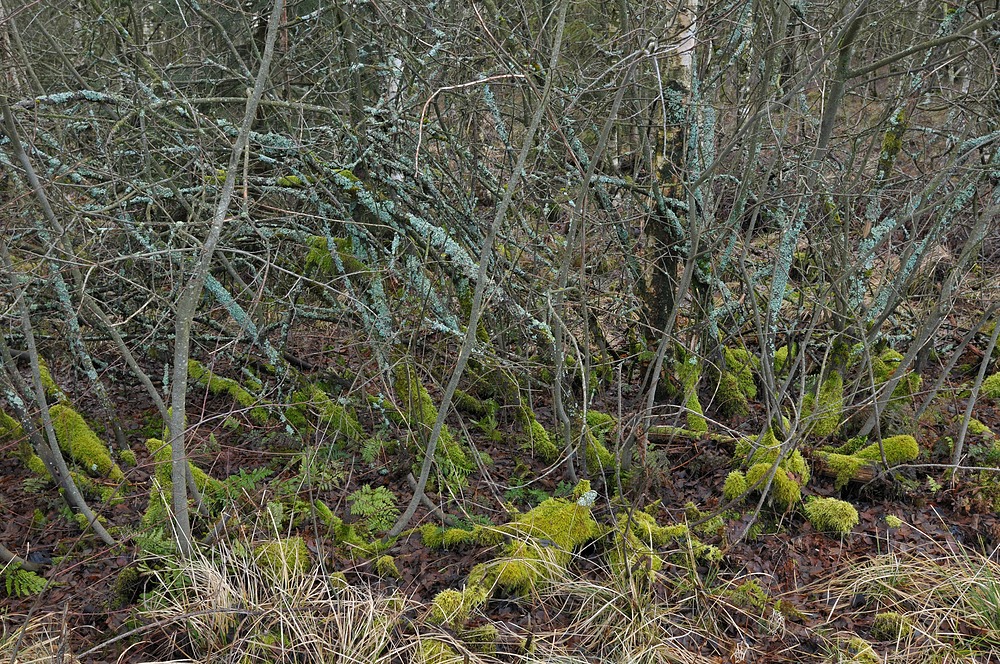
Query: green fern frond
x=22 y=583
x=377 y=506
x=371 y=449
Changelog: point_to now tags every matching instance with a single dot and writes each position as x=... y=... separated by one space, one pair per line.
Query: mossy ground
x=421 y=413
x=898 y=449
x=824 y=410
x=831 y=514
x=218 y=385
x=788 y=479
x=79 y=441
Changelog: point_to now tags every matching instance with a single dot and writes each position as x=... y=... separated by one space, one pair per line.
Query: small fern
x=154 y=542
x=36 y=484
x=319 y=473
x=371 y=449
x=21 y=583
x=376 y=506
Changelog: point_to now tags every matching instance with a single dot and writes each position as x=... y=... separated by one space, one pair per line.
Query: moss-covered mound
x=824 y=410
x=218 y=385
x=991 y=387
x=736 y=386
x=333 y=418
x=80 y=442
x=790 y=476
x=831 y=515
x=421 y=413
x=688 y=370
x=898 y=449
x=543 y=541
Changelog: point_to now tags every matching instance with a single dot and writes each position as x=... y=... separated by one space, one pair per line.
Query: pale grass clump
x=42 y=640
x=949 y=599
x=222 y=606
x=625 y=619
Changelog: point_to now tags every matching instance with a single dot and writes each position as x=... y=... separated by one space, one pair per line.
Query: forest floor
x=806 y=570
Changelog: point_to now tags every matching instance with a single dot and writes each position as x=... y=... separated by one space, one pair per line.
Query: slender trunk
x=187 y=304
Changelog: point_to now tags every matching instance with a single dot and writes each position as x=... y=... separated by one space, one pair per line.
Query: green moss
x=742 y=362
x=638 y=535
x=333 y=418
x=160 y=453
x=82 y=444
x=421 y=414
x=785 y=492
x=536 y=438
x=731 y=400
x=10 y=429
x=977 y=428
x=831 y=515
x=991 y=387
x=482 y=639
x=884 y=364
x=338 y=581
x=128 y=456
x=319 y=260
x=891 y=626
x=325 y=514
x=543 y=541
x=898 y=449
x=448 y=607
x=467 y=403
x=482 y=576
x=453 y=607
x=83 y=522
x=826 y=409
x=845 y=466
x=600 y=423
x=218 y=385
x=735 y=486
x=285 y=555
x=435 y=651
x=36 y=465
x=456 y=537
x=859 y=651
x=385 y=567
x=792 y=474
x=48 y=384
x=487 y=535
x=599 y=458
x=158 y=508
x=632 y=554
x=736 y=386
x=126 y=587
x=750 y=452
x=782 y=357
x=688 y=372
x=432 y=536
x=749 y=595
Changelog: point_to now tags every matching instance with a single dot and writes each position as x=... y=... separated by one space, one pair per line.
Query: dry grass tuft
x=948 y=599
x=43 y=640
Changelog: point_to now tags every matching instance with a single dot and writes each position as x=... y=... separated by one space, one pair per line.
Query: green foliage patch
x=20 y=582
x=376 y=506
x=218 y=385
